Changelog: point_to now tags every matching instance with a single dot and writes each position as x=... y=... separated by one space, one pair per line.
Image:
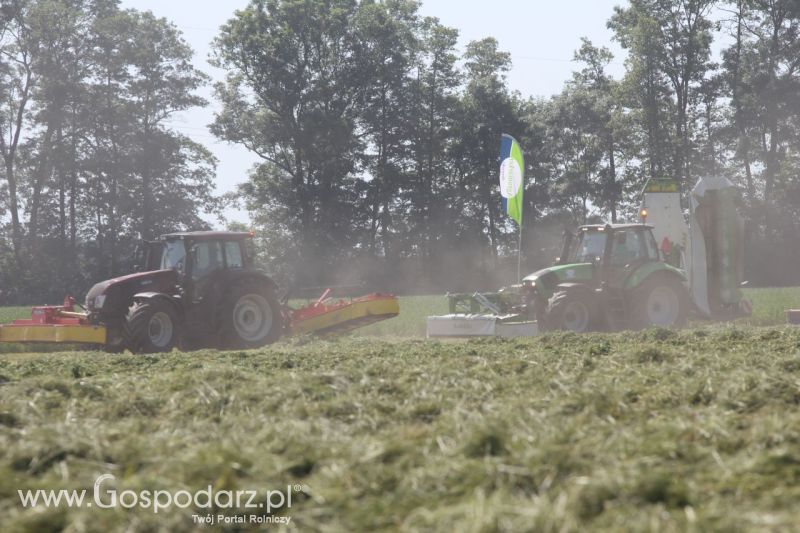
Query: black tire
x=249 y=317
x=571 y=310
x=151 y=326
x=660 y=301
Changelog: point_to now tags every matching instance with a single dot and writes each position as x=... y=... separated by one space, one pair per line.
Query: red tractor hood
x=120 y=290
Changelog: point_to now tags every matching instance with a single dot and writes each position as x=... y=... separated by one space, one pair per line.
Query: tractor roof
x=207 y=235
x=599 y=227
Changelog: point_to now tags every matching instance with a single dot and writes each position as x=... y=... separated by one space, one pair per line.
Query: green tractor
x=609 y=277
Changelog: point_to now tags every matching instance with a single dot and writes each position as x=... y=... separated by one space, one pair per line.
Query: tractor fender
x=653 y=268
x=575 y=287
x=160 y=296
x=239 y=275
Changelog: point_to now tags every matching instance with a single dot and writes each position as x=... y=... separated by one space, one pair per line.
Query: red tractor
x=194 y=289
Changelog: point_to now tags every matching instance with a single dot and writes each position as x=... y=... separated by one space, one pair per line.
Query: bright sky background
x=541 y=36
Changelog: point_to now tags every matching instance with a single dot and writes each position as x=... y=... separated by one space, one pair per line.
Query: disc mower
x=193 y=290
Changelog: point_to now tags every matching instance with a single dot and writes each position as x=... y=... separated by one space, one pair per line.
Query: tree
x=390 y=31
x=143 y=178
x=604 y=119
x=644 y=88
x=90 y=162
x=743 y=110
x=772 y=72
x=487 y=111
x=292 y=97
x=433 y=115
x=17 y=80
x=670 y=44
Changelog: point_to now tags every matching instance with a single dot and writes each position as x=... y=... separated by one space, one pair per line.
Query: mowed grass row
x=657 y=430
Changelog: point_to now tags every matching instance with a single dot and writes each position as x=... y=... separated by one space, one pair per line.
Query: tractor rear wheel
x=660 y=301
x=250 y=317
x=571 y=310
x=151 y=326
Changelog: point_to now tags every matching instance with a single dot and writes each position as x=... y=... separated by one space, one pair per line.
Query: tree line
x=378 y=137
x=89 y=162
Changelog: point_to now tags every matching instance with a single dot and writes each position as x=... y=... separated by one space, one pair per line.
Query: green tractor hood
x=546 y=280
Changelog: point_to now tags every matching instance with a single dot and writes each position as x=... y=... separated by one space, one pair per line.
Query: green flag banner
x=512 y=177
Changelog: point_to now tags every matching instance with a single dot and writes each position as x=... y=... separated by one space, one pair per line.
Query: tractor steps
x=617 y=312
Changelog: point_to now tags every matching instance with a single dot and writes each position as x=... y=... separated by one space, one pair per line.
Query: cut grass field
x=657 y=430
x=649 y=431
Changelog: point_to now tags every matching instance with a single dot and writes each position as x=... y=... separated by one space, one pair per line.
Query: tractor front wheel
x=571 y=311
x=250 y=317
x=660 y=302
x=151 y=326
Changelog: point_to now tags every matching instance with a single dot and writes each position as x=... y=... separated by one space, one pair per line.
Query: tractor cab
x=197 y=254
x=617 y=245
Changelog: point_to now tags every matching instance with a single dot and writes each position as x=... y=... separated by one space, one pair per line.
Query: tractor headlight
x=99 y=300
x=528 y=288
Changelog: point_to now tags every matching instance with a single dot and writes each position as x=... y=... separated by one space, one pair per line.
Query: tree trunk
x=612 y=172
x=62 y=196
x=42 y=173
x=9 y=158
x=744 y=142
x=16 y=228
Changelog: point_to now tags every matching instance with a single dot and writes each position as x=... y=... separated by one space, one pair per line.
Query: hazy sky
x=541 y=36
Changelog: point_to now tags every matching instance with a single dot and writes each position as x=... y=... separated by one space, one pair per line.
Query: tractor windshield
x=589 y=246
x=174 y=255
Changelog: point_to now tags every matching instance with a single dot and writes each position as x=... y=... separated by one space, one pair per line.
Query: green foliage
x=378 y=138
x=407 y=145
x=90 y=162
x=296 y=82
x=380 y=160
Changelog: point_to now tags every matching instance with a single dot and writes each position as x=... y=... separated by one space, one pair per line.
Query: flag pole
x=519 y=255
x=512 y=187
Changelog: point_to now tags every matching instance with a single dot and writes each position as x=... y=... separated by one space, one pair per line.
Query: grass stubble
x=651 y=431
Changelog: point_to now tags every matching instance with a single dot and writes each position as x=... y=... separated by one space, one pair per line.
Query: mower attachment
x=326 y=317
x=54 y=323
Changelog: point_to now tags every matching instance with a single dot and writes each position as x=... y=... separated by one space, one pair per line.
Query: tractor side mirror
x=190 y=259
x=137 y=261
